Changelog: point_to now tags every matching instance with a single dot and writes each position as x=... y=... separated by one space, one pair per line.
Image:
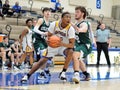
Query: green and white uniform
x=83 y=42
x=40 y=40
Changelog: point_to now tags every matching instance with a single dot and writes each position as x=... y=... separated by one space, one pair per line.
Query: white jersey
x=65 y=33
x=27 y=39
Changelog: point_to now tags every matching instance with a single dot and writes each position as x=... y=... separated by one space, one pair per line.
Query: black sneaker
x=18 y=66
x=47 y=72
x=87 y=77
x=42 y=75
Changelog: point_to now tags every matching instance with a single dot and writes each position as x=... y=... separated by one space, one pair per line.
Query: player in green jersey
x=40 y=34
x=83 y=44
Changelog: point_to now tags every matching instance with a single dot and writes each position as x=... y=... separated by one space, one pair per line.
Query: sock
x=3 y=62
x=28 y=75
x=76 y=71
x=12 y=63
x=85 y=73
x=46 y=70
x=64 y=70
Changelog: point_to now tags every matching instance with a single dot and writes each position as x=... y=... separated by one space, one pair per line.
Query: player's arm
x=71 y=43
x=49 y=34
x=25 y=31
x=51 y=29
x=38 y=24
x=82 y=29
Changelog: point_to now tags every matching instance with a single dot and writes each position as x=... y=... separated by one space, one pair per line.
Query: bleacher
x=18 y=25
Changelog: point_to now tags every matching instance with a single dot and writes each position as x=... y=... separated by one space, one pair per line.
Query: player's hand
x=46 y=33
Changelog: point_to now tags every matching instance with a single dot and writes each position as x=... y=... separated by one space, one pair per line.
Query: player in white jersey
x=63 y=29
x=26 y=42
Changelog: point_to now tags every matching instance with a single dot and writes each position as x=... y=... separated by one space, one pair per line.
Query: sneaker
x=62 y=76
x=15 y=68
x=18 y=66
x=30 y=66
x=42 y=75
x=87 y=77
x=4 y=67
x=47 y=72
x=25 y=78
x=76 y=78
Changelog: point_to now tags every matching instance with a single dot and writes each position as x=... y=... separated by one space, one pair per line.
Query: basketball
x=54 y=41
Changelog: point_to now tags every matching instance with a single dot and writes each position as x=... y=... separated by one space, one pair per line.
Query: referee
x=103 y=41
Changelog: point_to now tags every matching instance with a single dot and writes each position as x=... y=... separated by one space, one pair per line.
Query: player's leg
x=85 y=50
x=41 y=63
x=31 y=59
x=84 y=70
x=35 y=67
x=23 y=57
x=76 y=57
x=44 y=72
x=68 y=53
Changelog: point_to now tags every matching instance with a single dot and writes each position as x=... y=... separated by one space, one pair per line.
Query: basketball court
x=102 y=78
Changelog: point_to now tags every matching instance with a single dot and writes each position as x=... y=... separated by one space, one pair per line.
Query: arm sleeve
x=38 y=31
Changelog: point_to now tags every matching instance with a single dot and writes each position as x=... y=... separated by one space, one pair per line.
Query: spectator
x=6 y=51
x=26 y=43
x=6 y=9
x=17 y=52
x=1 y=10
x=0 y=4
x=16 y=8
x=57 y=7
x=103 y=41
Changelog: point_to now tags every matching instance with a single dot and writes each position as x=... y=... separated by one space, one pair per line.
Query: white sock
x=3 y=63
x=12 y=63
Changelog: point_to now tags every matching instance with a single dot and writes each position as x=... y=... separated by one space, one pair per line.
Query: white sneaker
x=4 y=67
x=62 y=76
x=15 y=68
x=25 y=78
x=76 y=78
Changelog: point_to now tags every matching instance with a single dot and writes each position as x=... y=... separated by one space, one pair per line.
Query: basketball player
x=26 y=43
x=83 y=44
x=39 y=39
x=64 y=30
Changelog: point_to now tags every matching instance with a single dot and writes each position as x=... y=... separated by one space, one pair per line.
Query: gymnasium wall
x=116 y=2
x=69 y=5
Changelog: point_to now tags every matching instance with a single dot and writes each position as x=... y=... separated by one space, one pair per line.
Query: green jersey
x=4 y=45
x=82 y=38
x=39 y=40
x=83 y=42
